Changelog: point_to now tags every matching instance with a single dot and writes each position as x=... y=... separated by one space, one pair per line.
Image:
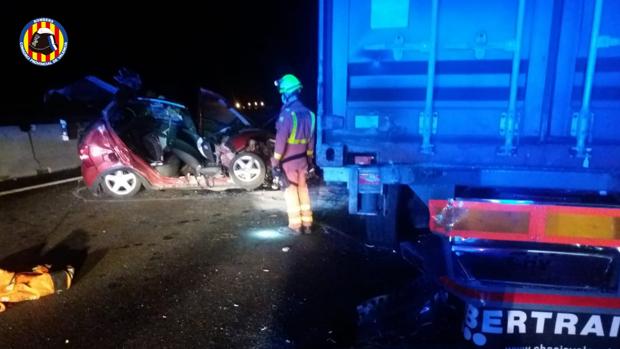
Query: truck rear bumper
x=514 y=178
x=499 y=319
x=536 y=295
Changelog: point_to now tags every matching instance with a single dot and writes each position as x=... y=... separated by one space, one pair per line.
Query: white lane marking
x=38 y=186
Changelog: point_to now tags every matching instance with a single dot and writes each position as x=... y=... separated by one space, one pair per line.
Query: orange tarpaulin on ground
x=19 y=287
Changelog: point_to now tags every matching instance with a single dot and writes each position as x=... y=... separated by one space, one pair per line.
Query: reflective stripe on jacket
x=295 y=130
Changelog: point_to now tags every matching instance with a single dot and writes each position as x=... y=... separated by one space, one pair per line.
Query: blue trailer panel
x=516 y=93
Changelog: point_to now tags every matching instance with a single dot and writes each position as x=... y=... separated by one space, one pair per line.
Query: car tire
x=120 y=183
x=248 y=170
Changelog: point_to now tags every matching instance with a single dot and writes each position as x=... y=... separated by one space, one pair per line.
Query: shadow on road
x=325 y=286
x=73 y=250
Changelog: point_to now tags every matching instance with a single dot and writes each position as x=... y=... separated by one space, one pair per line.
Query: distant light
x=262 y=104
x=237 y=105
x=267 y=234
x=249 y=104
x=256 y=104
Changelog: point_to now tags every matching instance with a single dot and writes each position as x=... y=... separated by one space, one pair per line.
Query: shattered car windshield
x=146 y=116
x=152 y=113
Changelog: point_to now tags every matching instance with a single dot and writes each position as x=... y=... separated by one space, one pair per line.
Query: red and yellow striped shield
x=43 y=41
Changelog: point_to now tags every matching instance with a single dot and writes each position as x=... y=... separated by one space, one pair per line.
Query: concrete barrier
x=43 y=152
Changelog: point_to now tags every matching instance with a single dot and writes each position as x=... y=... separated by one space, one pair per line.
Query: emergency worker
x=294 y=153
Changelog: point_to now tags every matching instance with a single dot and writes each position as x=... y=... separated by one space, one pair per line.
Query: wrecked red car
x=154 y=143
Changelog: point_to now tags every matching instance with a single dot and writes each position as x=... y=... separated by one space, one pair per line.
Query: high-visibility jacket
x=18 y=287
x=295 y=129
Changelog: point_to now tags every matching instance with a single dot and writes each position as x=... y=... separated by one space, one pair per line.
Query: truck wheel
x=121 y=183
x=248 y=170
x=381 y=230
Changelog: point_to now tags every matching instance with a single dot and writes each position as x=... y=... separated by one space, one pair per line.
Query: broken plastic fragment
x=451 y=214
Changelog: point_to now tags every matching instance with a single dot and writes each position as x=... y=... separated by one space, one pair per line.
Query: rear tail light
x=83 y=152
x=364 y=160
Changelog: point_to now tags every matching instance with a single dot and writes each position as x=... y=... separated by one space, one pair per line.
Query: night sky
x=236 y=48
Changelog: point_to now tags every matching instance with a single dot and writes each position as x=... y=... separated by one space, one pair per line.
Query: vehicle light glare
x=267 y=234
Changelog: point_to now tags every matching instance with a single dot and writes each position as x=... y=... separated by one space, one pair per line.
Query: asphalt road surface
x=190 y=269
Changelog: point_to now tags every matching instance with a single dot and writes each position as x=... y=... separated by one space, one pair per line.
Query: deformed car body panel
x=103 y=150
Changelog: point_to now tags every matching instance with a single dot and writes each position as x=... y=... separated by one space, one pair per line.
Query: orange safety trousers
x=18 y=287
x=297 y=200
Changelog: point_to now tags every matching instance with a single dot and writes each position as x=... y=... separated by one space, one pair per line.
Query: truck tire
x=382 y=229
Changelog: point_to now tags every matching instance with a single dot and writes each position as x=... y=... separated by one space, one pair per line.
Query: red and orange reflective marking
x=594 y=226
